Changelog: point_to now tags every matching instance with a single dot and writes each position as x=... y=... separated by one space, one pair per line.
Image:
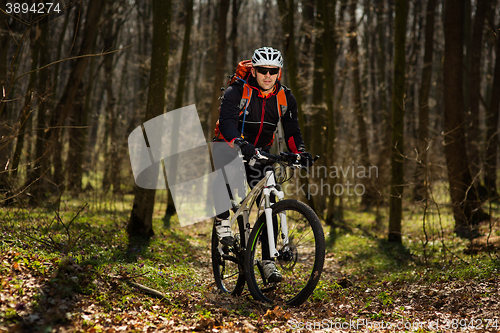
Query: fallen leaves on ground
x=60 y=295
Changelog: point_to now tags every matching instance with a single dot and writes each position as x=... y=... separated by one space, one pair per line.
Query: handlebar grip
x=316 y=158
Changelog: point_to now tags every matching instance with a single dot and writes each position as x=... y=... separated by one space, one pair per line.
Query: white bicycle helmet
x=267 y=56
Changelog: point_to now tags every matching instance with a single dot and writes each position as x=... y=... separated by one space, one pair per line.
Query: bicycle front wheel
x=300 y=260
x=227 y=265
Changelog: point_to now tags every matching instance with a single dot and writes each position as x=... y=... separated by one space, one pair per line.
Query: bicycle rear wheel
x=300 y=261
x=227 y=264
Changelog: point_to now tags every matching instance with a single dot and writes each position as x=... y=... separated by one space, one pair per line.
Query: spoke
x=230 y=276
x=295 y=231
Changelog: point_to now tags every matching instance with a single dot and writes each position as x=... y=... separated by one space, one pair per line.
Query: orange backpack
x=242 y=71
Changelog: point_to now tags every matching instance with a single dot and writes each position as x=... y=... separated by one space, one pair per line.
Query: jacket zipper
x=261 y=122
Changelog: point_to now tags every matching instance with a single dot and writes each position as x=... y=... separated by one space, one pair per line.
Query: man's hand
x=247 y=149
x=306 y=159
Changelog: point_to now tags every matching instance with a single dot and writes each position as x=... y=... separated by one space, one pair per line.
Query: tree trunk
x=52 y=120
x=92 y=97
x=368 y=198
x=63 y=108
x=203 y=72
x=129 y=116
x=473 y=128
x=286 y=11
x=397 y=142
x=371 y=56
x=384 y=130
x=420 y=189
x=26 y=111
x=329 y=58
x=467 y=32
x=111 y=176
x=77 y=134
x=43 y=90
x=220 y=64
x=79 y=119
x=492 y=115
x=140 y=224
x=305 y=59
x=4 y=128
x=412 y=66
x=4 y=41
x=179 y=97
x=181 y=83
x=390 y=52
x=318 y=116
x=382 y=86
x=466 y=207
x=365 y=43
x=58 y=54
x=234 y=32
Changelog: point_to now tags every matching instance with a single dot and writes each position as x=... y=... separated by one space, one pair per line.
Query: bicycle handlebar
x=291 y=159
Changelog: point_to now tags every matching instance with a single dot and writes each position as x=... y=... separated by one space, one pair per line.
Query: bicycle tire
x=300 y=277
x=228 y=270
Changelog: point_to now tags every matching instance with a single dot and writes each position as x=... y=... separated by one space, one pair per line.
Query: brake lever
x=307 y=167
x=257 y=156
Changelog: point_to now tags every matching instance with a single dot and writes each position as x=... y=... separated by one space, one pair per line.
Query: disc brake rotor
x=288 y=257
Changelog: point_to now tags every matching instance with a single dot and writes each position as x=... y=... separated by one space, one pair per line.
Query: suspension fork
x=269 y=188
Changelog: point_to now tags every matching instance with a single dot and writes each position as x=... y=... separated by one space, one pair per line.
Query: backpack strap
x=245 y=100
x=282 y=108
x=282 y=104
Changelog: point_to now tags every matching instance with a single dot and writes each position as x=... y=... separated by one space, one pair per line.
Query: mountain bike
x=288 y=228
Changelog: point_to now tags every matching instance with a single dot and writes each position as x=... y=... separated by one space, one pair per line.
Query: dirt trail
x=30 y=302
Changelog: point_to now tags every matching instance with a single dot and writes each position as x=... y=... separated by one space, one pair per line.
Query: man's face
x=266 y=81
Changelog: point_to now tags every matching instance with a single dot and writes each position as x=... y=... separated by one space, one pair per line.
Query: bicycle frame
x=266 y=186
x=240 y=263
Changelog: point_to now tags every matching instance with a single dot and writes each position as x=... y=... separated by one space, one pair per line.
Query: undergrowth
x=76 y=245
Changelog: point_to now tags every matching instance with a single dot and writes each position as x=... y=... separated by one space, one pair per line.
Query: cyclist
x=258 y=121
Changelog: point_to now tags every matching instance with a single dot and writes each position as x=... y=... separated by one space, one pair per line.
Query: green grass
x=428 y=255
x=75 y=247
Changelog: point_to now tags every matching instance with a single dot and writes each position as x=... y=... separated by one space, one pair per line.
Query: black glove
x=247 y=149
x=306 y=159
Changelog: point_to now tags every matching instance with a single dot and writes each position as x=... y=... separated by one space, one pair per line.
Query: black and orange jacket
x=261 y=119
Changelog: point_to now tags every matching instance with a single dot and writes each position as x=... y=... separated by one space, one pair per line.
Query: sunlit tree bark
x=286 y=9
x=368 y=198
x=181 y=87
x=220 y=63
x=398 y=112
x=318 y=112
x=140 y=224
x=40 y=165
x=26 y=111
x=466 y=207
x=65 y=104
x=419 y=192
x=383 y=131
x=473 y=122
x=492 y=115
x=234 y=32
x=329 y=58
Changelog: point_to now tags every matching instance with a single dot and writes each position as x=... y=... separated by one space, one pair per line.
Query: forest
x=399 y=98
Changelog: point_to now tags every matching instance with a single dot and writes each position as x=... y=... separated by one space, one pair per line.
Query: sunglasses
x=264 y=70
